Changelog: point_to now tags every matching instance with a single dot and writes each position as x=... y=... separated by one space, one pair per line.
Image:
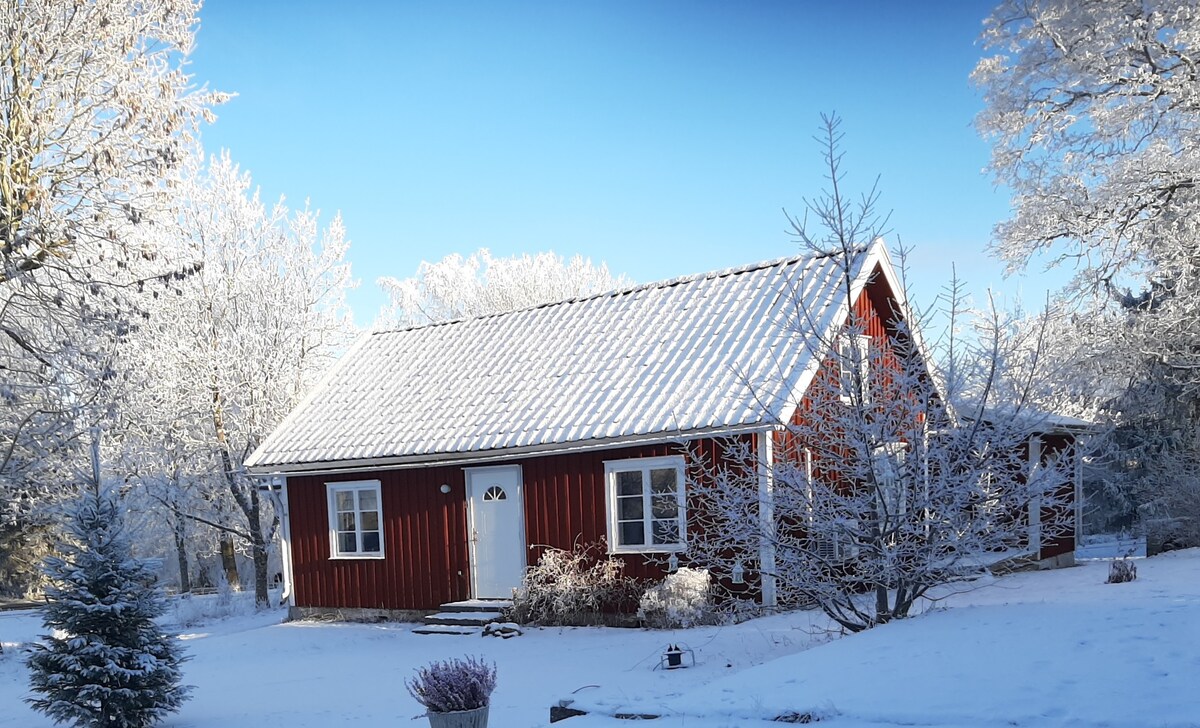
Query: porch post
x=1035 y=503
x=289 y=589
x=766 y=516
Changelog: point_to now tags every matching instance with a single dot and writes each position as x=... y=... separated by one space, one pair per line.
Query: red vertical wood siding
x=565 y=499
x=424 y=537
x=426 y=558
x=875 y=311
x=1059 y=523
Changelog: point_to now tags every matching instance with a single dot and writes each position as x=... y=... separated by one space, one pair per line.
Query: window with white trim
x=355 y=520
x=646 y=508
x=854 y=355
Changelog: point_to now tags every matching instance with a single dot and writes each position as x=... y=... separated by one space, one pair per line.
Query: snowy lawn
x=1037 y=649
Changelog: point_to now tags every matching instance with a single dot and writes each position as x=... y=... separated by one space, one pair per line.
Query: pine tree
x=108 y=665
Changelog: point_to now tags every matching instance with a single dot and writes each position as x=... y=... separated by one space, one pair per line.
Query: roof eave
x=488 y=456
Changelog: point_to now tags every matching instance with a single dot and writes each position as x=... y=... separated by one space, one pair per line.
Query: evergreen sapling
x=107 y=665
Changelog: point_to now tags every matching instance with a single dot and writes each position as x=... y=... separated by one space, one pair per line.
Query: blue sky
x=661 y=137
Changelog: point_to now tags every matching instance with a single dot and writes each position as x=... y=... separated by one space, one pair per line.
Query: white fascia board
x=499 y=456
x=859 y=278
x=876 y=254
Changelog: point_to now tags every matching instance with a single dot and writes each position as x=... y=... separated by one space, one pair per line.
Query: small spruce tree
x=107 y=665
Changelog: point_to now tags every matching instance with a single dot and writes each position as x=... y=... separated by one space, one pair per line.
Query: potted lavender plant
x=456 y=693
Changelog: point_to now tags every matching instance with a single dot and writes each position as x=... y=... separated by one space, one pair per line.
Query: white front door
x=497 y=529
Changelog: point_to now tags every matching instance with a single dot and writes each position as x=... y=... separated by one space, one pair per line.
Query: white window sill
x=676 y=549
x=356 y=557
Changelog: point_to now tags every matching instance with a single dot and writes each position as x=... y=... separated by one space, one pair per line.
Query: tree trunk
x=185 y=579
x=252 y=506
x=229 y=563
x=246 y=496
x=883 y=611
x=262 y=597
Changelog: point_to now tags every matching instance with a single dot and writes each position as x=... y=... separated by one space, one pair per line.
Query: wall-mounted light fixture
x=739 y=573
x=445 y=488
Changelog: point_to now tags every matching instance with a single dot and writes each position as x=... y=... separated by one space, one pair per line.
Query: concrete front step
x=445 y=629
x=477 y=605
x=477 y=619
x=465 y=617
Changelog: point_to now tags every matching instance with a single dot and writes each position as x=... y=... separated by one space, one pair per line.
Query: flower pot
x=477 y=718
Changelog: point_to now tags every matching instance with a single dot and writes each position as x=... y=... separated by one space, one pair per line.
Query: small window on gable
x=854 y=368
x=646 y=508
x=355 y=520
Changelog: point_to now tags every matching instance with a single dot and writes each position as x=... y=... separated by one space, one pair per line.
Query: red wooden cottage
x=431 y=464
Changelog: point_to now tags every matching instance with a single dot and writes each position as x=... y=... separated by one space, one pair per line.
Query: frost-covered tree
x=95 y=108
x=458 y=287
x=1091 y=106
x=229 y=356
x=107 y=664
x=880 y=491
x=1093 y=111
x=158 y=449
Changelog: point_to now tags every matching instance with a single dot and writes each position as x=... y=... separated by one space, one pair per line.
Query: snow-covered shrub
x=1121 y=571
x=684 y=599
x=574 y=587
x=189 y=610
x=445 y=687
x=107 y=663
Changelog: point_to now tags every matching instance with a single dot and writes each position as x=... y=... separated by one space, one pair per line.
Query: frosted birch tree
x=1093 y=109
x=248 y=333
x=95 y=110
x=457 y=287
x=159 y=446
x=880 y=490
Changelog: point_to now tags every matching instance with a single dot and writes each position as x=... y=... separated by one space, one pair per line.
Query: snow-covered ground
x=1111 y=546
x=1055 y=648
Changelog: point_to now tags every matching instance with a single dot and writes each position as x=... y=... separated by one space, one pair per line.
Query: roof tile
x=713 y=351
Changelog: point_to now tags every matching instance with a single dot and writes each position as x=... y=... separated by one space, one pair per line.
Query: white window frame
x=645 y=465
x=331 y=491
x=854 y=350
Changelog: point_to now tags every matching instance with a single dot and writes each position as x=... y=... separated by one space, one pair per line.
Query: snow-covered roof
x=725 y=351
x=1030 y=417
